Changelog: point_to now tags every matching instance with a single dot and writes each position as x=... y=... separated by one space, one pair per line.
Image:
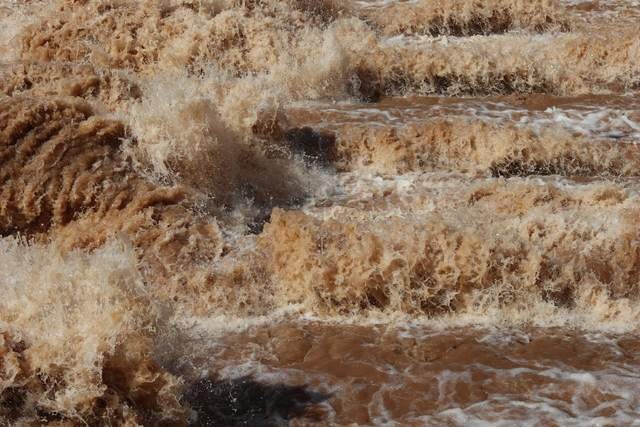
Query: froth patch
x=241 y=37
x=479 y=147
x=509 y=245
x=60 y=161
x=111 y=89
x=182 y=137
x=65 y=176
x=76 y=338
x=561 y=64
x=463 y=144
x=463 y=18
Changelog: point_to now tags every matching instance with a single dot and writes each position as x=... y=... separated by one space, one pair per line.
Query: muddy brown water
x=271 y=213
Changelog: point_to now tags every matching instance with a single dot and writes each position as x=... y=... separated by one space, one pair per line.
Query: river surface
x=310 y=213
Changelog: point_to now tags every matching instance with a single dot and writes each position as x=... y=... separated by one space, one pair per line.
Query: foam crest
x=108 y=90
x=567 y=64
x=462 y=17
x=76 y=338
x=439 y=259
x=478 y=147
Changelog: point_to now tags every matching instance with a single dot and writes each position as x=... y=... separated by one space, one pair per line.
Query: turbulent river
x=320 y=212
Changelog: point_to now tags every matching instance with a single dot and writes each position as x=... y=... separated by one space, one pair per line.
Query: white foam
x=621 y=123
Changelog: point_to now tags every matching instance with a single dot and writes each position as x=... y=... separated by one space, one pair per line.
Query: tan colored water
x=295 y=212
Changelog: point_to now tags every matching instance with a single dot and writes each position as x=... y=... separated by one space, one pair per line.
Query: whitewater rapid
x=325 y=212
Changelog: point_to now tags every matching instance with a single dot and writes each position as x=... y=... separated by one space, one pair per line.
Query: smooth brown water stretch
x=319 y=212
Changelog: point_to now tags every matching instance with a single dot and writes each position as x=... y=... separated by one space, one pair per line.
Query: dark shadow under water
x=246 y=402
